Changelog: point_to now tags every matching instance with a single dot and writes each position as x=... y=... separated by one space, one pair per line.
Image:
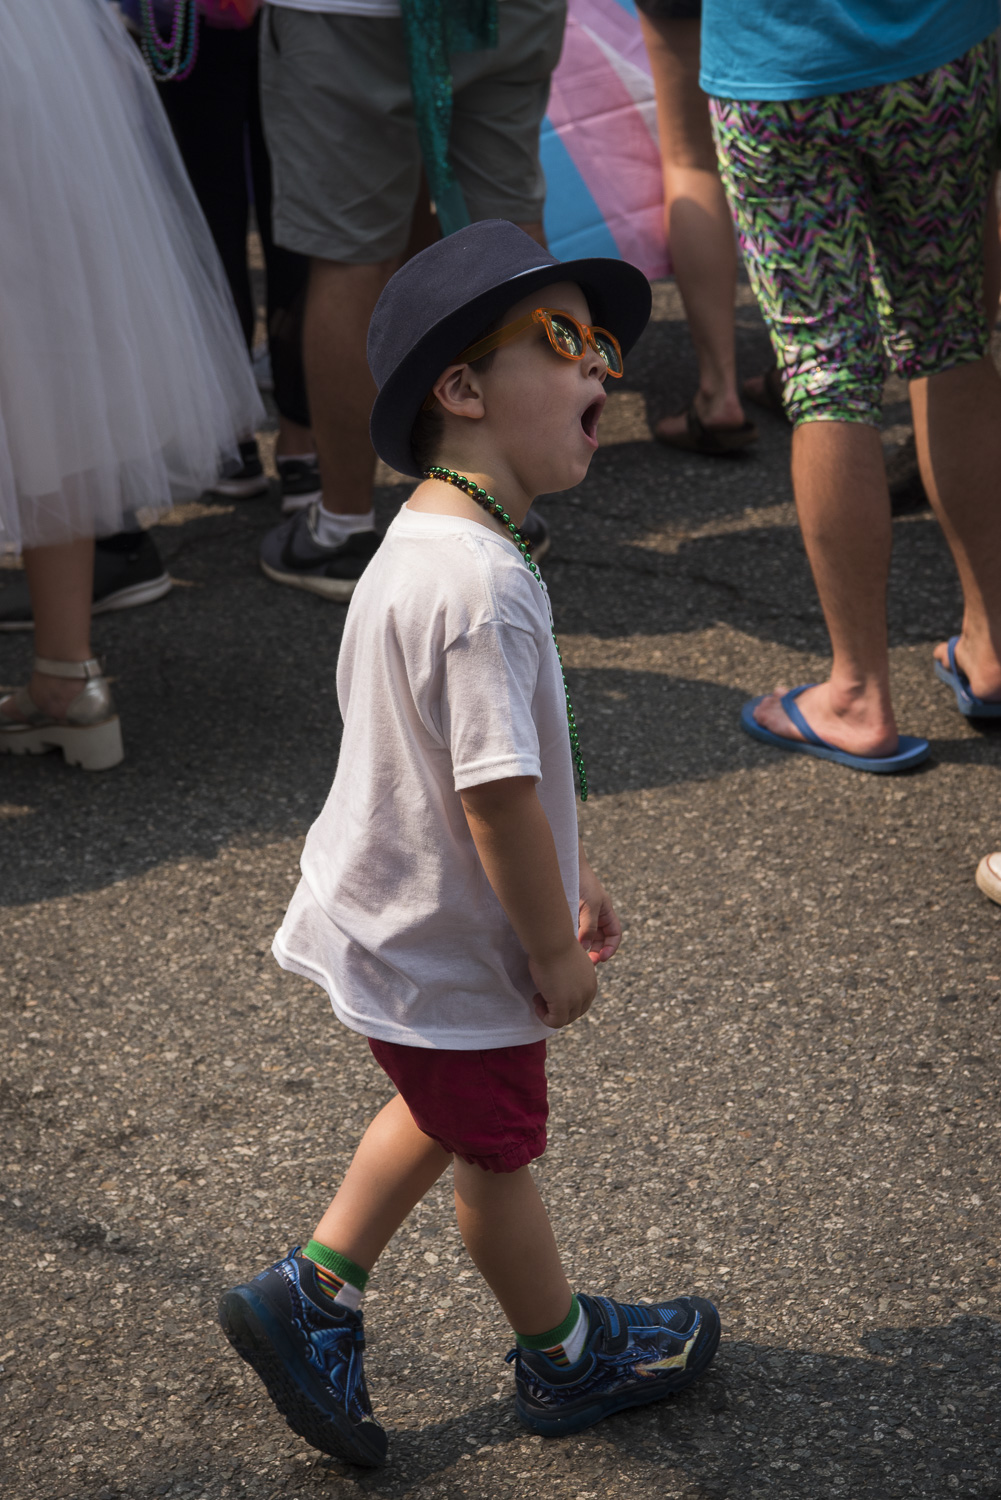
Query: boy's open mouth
x=591 y=416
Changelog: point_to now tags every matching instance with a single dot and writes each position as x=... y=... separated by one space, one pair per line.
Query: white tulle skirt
x=124 y=377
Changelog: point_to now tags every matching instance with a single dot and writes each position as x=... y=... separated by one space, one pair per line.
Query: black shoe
x=536 y=533
x=127 y=572
x=309 y=1357
x=300 y=481
x=244 y=479
x=291 y=554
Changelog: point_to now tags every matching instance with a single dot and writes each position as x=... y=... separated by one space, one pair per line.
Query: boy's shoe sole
x=263 y=1340
x=575 y=1416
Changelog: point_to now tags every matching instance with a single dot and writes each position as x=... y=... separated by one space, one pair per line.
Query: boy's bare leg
x=507 y=1232
x=957 y=424
x=393 y=1168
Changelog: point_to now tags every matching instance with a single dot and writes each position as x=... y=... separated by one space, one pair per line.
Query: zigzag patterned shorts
x=861 y=218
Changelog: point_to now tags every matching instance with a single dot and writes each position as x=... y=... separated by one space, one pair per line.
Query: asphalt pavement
x=785 y=1097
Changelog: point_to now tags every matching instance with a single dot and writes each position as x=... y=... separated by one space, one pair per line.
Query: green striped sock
x=563 y=1344
x=339 y=1277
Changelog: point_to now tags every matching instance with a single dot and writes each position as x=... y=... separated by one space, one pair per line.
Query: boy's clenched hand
x=567 y=985
x=515 y=844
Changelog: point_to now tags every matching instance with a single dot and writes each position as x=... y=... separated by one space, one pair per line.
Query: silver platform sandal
x=89 y=734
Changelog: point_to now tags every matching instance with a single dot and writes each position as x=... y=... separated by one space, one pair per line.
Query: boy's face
x=542 y=410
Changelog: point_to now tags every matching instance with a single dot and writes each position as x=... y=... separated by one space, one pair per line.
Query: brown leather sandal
x=769 y=398
x=713 y=442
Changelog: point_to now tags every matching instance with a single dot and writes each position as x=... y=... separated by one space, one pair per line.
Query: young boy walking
x=445 y=903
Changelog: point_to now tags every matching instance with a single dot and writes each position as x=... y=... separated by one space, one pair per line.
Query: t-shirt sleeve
x=489 y=680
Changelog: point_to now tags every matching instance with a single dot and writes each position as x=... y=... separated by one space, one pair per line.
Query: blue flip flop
x=969 y=705
x=910 y=751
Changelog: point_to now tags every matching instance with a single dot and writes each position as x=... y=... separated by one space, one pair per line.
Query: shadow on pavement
x=914 y=1415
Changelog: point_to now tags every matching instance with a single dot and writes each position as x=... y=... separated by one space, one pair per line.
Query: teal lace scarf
x=433 y=30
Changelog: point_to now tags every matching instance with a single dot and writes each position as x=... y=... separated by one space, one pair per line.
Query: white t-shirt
x=447 y=678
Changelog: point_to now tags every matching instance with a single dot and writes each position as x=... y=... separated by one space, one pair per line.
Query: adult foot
x=71 y=711
x=51 y=696
x=858 y=726
x=981 y=669
x=722 y=414
x=292 y=554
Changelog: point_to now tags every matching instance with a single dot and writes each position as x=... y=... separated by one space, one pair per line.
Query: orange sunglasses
x=569 y=338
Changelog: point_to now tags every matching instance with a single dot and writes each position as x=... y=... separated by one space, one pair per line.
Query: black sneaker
x=127 y=572
x=308 y=1352
x=291 y=554
x=635 y=1353
x=243 y=479
x=300 y=481
x=536 y=533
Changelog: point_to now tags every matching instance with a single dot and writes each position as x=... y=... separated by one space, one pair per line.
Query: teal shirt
x=797 y=49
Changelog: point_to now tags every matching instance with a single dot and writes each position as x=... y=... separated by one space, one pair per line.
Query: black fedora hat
x=440 y=301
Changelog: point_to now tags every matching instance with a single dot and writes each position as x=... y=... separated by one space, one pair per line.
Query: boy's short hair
x=428 y=432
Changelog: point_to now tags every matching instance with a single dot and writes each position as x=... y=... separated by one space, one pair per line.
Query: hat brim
x=618 y=295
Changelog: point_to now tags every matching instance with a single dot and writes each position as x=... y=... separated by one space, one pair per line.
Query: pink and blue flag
x=599 y=148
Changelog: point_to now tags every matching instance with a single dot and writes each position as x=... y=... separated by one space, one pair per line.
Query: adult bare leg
x=957 y=424
x=294 y=440
x=696 y=219
x=61 y=581
x=844 y=514
x=536 y=231
x=339 y=306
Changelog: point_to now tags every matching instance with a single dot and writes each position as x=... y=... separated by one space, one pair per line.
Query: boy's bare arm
x=515 y=844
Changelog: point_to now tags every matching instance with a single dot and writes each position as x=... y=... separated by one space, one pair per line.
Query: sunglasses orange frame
x=542 y=317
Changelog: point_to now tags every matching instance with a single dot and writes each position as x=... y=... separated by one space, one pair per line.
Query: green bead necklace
x=494 y=508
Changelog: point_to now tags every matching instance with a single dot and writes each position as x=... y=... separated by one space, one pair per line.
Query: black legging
x=215 y=115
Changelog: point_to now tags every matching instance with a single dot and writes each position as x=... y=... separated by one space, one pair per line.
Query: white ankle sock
x=573 y=1344
x=331 y=530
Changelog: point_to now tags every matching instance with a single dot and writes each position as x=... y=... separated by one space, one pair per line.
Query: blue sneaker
x=633 y=1355
x=308 y=1352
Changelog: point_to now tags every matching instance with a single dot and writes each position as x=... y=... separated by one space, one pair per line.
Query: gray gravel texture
x=785 y=1097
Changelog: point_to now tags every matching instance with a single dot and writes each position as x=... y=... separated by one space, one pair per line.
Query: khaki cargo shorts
x=339 y=123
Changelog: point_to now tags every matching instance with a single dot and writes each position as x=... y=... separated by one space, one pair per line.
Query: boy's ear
x=459 y=391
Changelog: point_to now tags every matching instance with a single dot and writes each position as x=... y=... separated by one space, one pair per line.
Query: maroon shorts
x=489 y=1107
